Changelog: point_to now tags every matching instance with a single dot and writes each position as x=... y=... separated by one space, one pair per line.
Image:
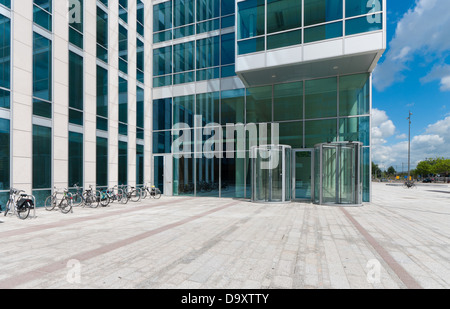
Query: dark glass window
x=42 y=75
x=321 y=11
x=123 y=163
x=102 y=162
x=102 y=35
x=102 y=97
x=75 y=159
x=139 y=164
x=76 y=89
x=42 y=157
x=4 y=154
x=42 y=13
x=162 y=114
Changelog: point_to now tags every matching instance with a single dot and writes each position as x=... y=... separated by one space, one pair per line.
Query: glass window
x=208 y=52
x=76 y=23
x=42 y=75
x=162 y=16
x=321 y=98
x=320 y=131
x=354 y=95
x=184 y=110
x=4 y=154
x=228 y=49
x=355 y=129
x=123 y=102
x=102 y=162
x=284 y=39
x=158 y=173
x=361 y=7
x=208 y=106
x=288 y=101
x=162 y=114
x=123 y=49
x=42 y=13
x=184 y=12
x=6 y=3
x=291 y=133
x=102 y=92
x=140 y=17
x=233 y=106
x=123 y=163
x=76 y=89
x=139 y=113
x=162 y=142
x=75 y=159
x=208 y=9
x=363 y=24
x=233 y=177
x=183 y=57
x=283 y=15
x=5 y=57
x=162 y=61
x=139 y=164
x=183 y=176
x=140 y=60
x=207 y=176
x=227 y=7
x=251 y=18
x=321 y=11
x=123 y=10
x=102 y=35
x=251 y=46
x=323 y=32
x=42 y=157
x=259 y=104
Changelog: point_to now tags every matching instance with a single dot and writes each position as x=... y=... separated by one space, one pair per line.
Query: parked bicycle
x=133 y=194
x=151 y=191
x=409 y=185
x=64 y=204
x=114 y=194
x=19 y=202
x=90 y=198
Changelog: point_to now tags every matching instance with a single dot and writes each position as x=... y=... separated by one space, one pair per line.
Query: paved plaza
x=400 y=240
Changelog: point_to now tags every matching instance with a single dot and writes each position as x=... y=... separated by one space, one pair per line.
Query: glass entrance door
x=303 y=175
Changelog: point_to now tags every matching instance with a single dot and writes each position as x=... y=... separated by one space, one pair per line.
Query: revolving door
x=338 y=174
x=271 y=174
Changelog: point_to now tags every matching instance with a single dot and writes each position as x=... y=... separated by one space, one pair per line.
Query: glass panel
x=324 y=32
x=75 y=159
x=5 y=54
x=162 y=16
x=233 y=177
x=123 y=100
x=158 y=173
x=227 y=49
x=208 y=106
x=364 y=24
x=139 y=164
x=321 y=98
x=102 y=92
x=184 y=110
x=288 y=101
x=354 y=95
x=162 y=61
x=355 y=129
x=259 y=104
x=184 y=12
x=361 y=7
x=303 y=175
x=6 y=3
x=42 y=14
x=251 y=46
x=123 y=163
x=283 y=15
x=320 y=131
x=207 y=173
x=329 y=167
x=42 y=157
x=42 y=67
x=251 y=18
x=76 y=89
x=321 y=11
x=291 y=134
x=102 y=162
x=284 y=39
x=4 y=154
x=347 y=175
x=162 y=142
x=183 y=176
x=139 y=107
x=183 y=57
x=233 y=106
x=208 y=9
x=208 y=52
x=162 y=114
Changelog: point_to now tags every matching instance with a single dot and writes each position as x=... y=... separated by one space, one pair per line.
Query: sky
x=413 y=75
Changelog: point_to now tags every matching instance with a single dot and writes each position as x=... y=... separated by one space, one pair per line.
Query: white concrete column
x=22 y=91
x=148 y=102
x=60 y=133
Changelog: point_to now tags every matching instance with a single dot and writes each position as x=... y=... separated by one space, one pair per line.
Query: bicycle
x=409 y=185
x=102 y=198
x=152 y=191
x=134 y=194
x=65 y=204
x=113 y=196
x=90 y=199
x=22 y=206
x=77 y=197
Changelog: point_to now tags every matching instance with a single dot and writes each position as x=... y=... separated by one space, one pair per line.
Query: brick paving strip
x=13 y=282
x=404 y=276
x=47 y=226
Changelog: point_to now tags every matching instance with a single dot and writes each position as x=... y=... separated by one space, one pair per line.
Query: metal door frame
x=294 y=173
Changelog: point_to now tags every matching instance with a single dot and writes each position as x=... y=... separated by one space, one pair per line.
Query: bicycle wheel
x=50 y=203
x=77 y=200
x=143 y=193
x=65 y=205
x=104 y=199
x=135 y=195
x=7 y=208
x=157 y=194
x=125 y=198
x=24 y=211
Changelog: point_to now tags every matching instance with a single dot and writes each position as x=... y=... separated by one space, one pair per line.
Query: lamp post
x=409 y=144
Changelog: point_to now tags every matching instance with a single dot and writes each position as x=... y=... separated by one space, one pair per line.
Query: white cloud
x=441 y=73
x=423 y=31
x=434 y=142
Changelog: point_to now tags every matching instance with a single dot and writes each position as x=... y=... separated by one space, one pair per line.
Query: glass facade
x=42 y=13
x=5 y=160
x=42 y=163
x=307 y=113
x=102 y=34
x=75 y=159
x=76 y=22
x=5 y=61
x=270 y=24
x=76 y=88
x=42 y=76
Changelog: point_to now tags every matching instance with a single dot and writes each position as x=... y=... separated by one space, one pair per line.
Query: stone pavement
x=400 y=240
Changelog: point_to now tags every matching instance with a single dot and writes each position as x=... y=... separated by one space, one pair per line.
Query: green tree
x=391 y=171
x=442 y=166
x=376 y=171
x=425 y=168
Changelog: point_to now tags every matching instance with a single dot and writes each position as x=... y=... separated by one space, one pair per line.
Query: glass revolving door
x=271 y=174
x=338 y=174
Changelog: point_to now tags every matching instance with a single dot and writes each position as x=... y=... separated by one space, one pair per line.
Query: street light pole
x=409 y=144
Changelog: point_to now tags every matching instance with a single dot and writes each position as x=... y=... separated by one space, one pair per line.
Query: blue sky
x=413 y=74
